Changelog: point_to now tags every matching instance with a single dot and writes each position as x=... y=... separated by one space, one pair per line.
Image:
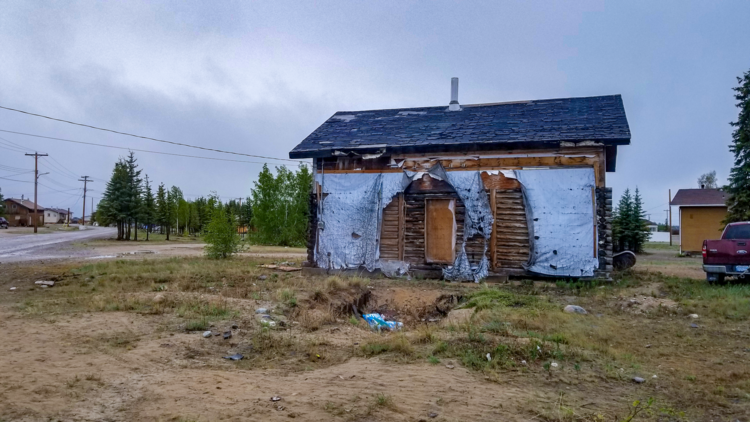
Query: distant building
x=701 y=214
x=20 y=212
x=55 y=216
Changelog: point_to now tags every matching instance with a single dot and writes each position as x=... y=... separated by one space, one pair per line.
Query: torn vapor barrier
x=352 y=211
x=477 y=220
x=561 y=212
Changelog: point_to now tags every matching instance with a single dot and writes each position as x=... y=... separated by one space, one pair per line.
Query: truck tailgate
x=727 y=251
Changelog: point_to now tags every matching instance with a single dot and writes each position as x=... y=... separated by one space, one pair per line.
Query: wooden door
x=440 y=231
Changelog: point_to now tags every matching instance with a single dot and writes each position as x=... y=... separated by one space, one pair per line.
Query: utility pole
x=85 y=180
x=68 y=218
x=670 y=217
x=92 y=211
x=36 y=156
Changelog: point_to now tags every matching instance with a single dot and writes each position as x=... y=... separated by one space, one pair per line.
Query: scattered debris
x=693 y=325
x=227 y=335
x=489 y=358
x=261 y=311
x=554 y=364
x=694 y=316
x=574 y=309
x=639 y=380
x=262 y=277
x=12 y=288
x=236 y=356
x=45 y=283
x=432 y=415
x=378 y=322
x=206 y=334
x=275 y=398
x=280 y=267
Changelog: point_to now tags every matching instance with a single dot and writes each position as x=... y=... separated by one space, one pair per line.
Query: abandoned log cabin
x=467 y=191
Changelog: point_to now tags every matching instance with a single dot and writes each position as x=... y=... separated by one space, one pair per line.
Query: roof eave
x=447 y=147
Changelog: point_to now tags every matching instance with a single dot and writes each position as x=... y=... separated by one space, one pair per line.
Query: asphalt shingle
x=477 y=127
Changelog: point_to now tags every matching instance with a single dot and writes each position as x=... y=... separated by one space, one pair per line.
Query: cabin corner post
x=312 y=230
x=604 y=232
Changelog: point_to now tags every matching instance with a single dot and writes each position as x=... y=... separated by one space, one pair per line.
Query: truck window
x=740 y=231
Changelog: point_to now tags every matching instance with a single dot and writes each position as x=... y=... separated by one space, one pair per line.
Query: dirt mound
x=645 y=304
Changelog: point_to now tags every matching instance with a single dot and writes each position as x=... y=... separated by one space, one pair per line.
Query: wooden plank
x=440 y=231
x=493 y=237
x=401 y=228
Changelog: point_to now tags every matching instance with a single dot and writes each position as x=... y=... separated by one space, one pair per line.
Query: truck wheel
x=715 y=278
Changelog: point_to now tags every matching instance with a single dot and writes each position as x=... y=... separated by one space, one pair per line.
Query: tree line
x=275 y=213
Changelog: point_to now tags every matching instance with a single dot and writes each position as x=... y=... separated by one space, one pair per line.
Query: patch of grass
x=287 y=296
x=433 y=360
x=393 y=343
x=490 y=298
x=731 y=301
x=384 y=400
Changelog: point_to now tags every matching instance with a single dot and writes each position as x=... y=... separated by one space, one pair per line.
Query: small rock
x=639 y=380
x=275 y=398
x=523 y=362
x=227 y=335
x=159 y=298
x=432 y=415
x=12 y=288
x=574 y=309
x=261 y=311
x=236 y=356
x=46 y=283
x=206 y=334
x=648 y=346
x=235 y=326
x=263 y=277
x=554 y=364
x=694 y=316
x=693 y=325
x=449 y=366
x=654 y=376
x=489 y=358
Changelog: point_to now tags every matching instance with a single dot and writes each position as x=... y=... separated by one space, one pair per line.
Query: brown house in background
x=701 y=214
x=20 y=212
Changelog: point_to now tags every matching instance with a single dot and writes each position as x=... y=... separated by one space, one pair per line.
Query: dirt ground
x=666 y=260
x=122 y=340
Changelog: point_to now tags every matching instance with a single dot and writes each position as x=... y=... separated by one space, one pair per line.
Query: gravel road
x=47 y=246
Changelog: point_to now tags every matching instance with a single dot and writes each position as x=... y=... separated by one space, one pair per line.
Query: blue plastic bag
x=377 y=322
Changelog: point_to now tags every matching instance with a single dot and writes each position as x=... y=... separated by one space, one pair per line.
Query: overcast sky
x=258 y=77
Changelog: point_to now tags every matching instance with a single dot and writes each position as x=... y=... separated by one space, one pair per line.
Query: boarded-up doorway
x=440 y=231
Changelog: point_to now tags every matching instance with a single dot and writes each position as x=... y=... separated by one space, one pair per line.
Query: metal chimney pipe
x=454 y=106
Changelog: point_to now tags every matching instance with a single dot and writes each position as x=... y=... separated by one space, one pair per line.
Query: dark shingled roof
x=522 y=124
x=699 y=197
x=26 y=204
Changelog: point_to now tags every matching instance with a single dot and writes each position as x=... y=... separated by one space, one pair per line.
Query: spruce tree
x=738 y=201
x=148 y=207
x=162 y=216
x=132 y=194
x=114 y=204
x=640 y=233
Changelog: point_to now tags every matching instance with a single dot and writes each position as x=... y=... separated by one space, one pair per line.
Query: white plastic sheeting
x=560 y=211
x=352 y=212
x=477 y=220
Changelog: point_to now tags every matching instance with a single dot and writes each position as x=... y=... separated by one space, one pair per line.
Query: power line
x=14 y=180
x=146 y=137
x=141 y=150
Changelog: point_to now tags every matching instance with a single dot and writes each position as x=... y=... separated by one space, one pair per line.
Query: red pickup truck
x=728 y=256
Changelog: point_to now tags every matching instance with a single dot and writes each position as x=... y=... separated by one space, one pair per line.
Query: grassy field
x=529 y=359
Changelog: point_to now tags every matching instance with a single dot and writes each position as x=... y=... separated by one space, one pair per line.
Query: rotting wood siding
x=403 y=225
